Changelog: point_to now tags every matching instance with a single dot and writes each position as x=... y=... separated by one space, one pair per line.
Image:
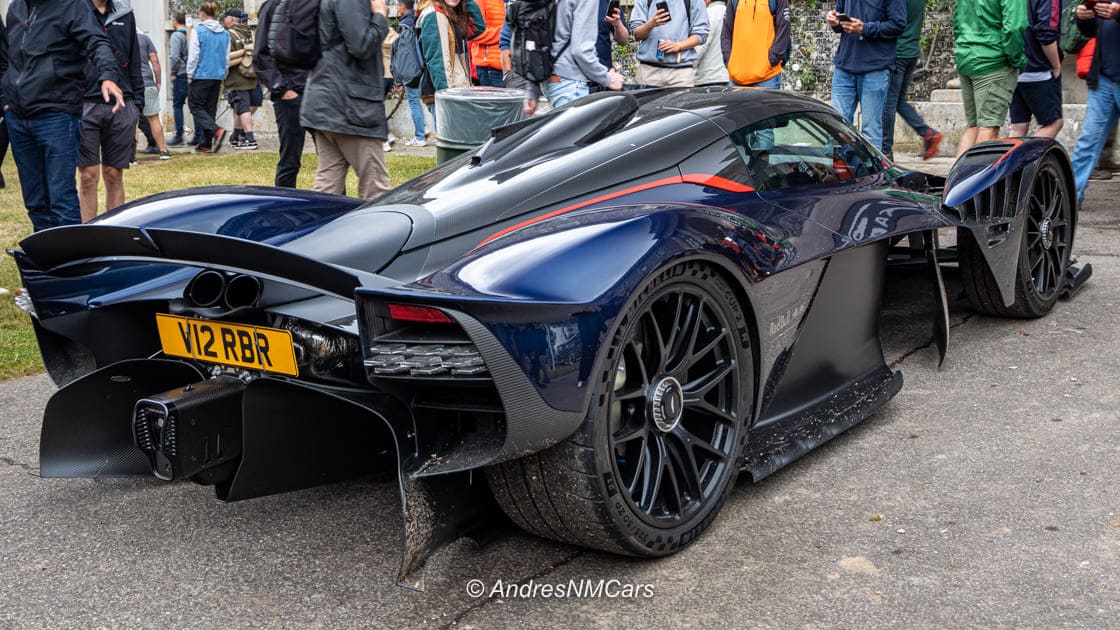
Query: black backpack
x=406 y=63
x=532 y=29
x=293 y=34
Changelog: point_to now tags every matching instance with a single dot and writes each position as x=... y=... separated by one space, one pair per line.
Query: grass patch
x=19 y=354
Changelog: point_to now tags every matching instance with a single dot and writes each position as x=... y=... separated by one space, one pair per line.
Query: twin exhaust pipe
x=212 y=288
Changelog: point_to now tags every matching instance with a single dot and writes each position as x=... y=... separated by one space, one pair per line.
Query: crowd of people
x=87 y=79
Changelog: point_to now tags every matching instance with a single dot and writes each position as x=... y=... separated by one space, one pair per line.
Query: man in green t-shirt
x=906 y=58
x=989 y=54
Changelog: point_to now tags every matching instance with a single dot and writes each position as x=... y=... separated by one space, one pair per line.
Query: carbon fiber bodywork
x=459 y=320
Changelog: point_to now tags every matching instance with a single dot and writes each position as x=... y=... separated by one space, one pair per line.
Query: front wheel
x=658 y=453
x=1044 y=251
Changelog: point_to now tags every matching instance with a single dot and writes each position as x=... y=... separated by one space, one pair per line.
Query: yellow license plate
x=252 y=347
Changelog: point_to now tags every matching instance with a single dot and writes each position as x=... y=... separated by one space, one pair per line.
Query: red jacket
x=484 y=48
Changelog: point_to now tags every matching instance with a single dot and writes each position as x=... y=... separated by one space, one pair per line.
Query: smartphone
x=663 y=6
x=612 y=6
x=1089 y=4
x=843 y=17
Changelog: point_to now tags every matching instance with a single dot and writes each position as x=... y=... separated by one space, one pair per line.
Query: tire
x=598 y=488
x=1044 y=251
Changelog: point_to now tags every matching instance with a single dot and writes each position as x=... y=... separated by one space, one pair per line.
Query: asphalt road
x=995 y=478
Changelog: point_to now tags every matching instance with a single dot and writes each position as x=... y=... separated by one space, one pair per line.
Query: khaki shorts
x=988 y=96
x=665 y=77
x=151 y=101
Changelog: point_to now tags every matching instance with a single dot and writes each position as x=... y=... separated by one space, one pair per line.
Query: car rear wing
x=57 y=249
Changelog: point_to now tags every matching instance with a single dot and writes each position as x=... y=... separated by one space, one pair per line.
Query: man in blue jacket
x=48 y=44
x=868 y=31
x=1039 y=89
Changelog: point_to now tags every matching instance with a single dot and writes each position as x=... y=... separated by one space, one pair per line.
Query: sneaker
x=176 y=141
x=386 y=146
x=193 y=141
x=219 y=136
x=1100 y=174
x=247 y=145
x=202 y=149
x=416 y=142
x=150 y=150
x=930 y=141
x=165 y=155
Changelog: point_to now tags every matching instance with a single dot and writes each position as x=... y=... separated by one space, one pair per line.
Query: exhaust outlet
x=192 y=431
x=242 y=290
x=206 y=288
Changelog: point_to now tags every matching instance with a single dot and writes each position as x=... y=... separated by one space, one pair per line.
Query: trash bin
x=465 y=116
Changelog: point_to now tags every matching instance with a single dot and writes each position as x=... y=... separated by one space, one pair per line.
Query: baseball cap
x=237 y=13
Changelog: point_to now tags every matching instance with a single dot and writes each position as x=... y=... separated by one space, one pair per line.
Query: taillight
x=406 y=313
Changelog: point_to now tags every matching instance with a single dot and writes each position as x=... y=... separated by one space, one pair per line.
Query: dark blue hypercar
x=595 y=321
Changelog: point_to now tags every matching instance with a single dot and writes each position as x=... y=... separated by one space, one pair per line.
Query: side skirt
x=776 y=444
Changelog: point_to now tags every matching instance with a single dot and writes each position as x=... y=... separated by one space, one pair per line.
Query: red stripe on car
x=710 y=181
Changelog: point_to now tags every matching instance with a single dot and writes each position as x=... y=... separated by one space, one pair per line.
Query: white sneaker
x=386 y=146
x=415 y=142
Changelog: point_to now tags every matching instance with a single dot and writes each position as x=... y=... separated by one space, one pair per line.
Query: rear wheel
x=1044 y=251
x=659 y=450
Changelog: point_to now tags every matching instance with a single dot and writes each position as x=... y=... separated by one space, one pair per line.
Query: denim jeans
x=417 y=110
x=565 y=91
x=489 y=77
x=179 y=91
x=869 y=91
x=1102 y=109
x=896 y=102
x=773 y=83
x=46 y=152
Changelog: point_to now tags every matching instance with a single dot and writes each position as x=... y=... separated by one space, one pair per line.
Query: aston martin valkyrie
x=592 y=324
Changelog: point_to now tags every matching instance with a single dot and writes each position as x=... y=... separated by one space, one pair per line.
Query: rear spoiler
x=55 y=249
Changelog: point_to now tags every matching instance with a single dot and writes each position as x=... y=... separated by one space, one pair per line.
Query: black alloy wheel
x=673 y=410
x=658 y=453
x=1044 y=250
x=1048 y=232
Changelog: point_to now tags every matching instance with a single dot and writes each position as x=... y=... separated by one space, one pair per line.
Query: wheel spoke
x=657 y=336
x=691 y=439
x=1052 y=207
x=641 y=468
x=656 y=467
x=634 y=361
x=708 y=347
x=673 y=488
x=1055 y=270
x=672 y=341
x=684 y=335
x=629 y=432
x=708 y=409
x=630 y=394
x=689 y=467
x=698 y=387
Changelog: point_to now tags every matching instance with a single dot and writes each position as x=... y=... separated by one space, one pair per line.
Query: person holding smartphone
x=862 y=74
x=989 y=55
x=611 y=27
x=668 y=32
x=1102 y=20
